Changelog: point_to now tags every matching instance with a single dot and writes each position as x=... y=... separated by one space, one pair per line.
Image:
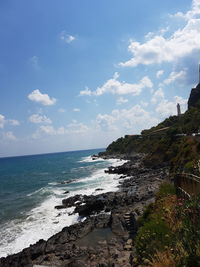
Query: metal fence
x=187 y=184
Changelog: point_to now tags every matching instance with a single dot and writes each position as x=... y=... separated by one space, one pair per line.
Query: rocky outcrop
x=112 y=212
x=194 y=96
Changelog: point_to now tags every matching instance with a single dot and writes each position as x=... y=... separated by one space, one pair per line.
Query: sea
x=31 y=187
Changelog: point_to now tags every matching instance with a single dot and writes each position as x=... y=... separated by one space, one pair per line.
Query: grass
x=169 y=232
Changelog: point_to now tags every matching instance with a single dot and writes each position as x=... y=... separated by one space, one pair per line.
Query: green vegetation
x=165 y=190
x=182 y=153
x=169 y=232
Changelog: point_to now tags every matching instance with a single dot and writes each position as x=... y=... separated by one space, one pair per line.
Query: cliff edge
x=194 y=96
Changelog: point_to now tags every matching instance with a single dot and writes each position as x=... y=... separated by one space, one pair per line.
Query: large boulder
x=194 y=96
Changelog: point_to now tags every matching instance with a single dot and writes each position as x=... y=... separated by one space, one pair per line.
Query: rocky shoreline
x=106 y=236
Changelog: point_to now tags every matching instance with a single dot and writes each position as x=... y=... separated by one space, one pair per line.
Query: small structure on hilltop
x=178 y=110
x=194 y=95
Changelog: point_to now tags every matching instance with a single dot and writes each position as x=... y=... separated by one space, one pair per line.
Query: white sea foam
x=53 y=183
x=98 y=179
x=46 y=190
x=90 y=159
x=41 y=223
x=44 y=221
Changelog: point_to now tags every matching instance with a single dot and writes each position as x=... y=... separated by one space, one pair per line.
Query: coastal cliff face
x=194 y=96
x=170 y=143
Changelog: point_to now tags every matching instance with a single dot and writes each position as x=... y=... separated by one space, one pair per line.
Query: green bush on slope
x=169 y=231
x=165 y=147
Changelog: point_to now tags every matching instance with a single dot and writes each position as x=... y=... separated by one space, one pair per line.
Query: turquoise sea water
x=30 y=187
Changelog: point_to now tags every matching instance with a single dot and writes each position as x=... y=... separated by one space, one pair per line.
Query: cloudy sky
x=79 y=74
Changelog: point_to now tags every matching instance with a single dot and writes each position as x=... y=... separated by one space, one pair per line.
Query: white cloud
x=164 y=30
x=34 y=61
x=157 y=96
x=72 y=128
x=43 y=99
x=158 y=49
x=120 y=88
x=144 y=104
x=37 y=118
x=76 y=127
x=2 y=121
x=9 y=136
x=76 y=109
x=87 y=91
x=105 y=122
x=14 y=122
x=175 y=76
x=48 y=129
x=67 y=38
x=167 y=108
x=121 y=100
x=195 y=11
x=149 y=35
x=131 y=120
x=159 y=73
x=61 y=110
x=44 y=129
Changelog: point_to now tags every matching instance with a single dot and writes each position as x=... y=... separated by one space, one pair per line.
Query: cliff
x=194 y=97
x=171 y=142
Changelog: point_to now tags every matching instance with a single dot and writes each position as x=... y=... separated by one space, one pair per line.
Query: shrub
x=166 y=189
x=152 y=236
x=188 y=212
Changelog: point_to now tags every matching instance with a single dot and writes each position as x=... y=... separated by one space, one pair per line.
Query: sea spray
x=42 y=220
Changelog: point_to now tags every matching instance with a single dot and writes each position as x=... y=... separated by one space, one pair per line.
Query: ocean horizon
x=56 y=152
x=32 y=185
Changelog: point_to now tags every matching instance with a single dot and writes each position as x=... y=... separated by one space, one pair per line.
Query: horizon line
x=48 y=153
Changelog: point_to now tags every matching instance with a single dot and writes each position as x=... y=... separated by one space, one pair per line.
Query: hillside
x=171 y=142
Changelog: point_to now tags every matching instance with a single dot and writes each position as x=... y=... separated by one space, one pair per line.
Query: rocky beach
x=108 y=222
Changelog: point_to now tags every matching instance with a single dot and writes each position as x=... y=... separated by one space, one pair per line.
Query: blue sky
x=79 y=74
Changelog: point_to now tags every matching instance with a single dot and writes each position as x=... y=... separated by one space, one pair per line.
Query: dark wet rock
x=194 y=97
x=91 y=207
x=59 y=207
x=137 y=188
x=66 y=192
x=70 y=201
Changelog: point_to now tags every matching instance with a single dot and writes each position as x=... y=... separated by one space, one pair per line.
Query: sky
x=79 y=74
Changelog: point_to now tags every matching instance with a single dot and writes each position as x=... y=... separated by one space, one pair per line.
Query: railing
x=187 y=184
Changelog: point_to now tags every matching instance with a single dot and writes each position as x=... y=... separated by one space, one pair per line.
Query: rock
x=127 y=247
x=66 y=192
x=58 y=207
x=70 y=201
x=194 y=96
x=91 y=207
x=129 y=242
x=62 y=249
x=117 y=225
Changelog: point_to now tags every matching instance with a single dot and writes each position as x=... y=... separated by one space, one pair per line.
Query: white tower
x=178 y=110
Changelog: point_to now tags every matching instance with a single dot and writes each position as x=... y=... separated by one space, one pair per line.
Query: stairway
x=130 y=223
